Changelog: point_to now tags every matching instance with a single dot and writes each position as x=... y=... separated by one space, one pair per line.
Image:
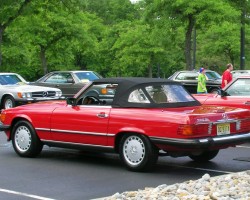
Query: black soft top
x=127 y=85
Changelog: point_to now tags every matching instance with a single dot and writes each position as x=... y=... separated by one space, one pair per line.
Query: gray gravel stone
x=235 y=186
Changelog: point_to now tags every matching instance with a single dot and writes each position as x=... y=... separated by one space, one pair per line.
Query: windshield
x=241 y=87
x=89 y=76
x=213 y=75
x=9 y=79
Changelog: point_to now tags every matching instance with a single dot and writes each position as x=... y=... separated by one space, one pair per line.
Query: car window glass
x=168 y=94
x=60 y=78
x=98 y=94
x=138 y=96
x=9 y=79
x=187 y=76
x=240 y=87
x=213 y=75
x=86 y=76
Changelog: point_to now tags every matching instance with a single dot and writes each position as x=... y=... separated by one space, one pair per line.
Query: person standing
x=201 y=87
x=227 y=75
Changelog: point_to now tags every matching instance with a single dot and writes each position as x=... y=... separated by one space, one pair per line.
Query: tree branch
x=18 y=13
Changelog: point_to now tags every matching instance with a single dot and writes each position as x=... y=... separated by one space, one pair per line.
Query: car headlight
x=58 y=93
x=28 y=95
x=24 y=94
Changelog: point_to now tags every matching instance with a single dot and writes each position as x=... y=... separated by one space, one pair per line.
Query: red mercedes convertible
x=236 y=94
x=138 y=118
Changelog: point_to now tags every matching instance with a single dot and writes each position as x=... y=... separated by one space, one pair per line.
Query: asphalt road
x=59 y=174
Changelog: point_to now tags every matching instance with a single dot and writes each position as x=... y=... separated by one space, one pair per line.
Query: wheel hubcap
x=134 y=150
x=22 y=138
x=8 y=103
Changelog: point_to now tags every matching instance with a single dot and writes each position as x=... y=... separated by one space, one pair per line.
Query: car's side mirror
x=71 y=101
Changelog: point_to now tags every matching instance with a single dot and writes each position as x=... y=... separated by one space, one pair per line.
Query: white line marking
x=242 y=146
x=25 y=194
x=201 y=169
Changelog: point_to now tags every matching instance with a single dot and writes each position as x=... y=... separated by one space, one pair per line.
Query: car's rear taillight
x=194 y=129
x=2 y=117
x=185 y=130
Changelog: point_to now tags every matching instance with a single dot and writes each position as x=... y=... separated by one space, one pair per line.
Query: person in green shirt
x=201 y=88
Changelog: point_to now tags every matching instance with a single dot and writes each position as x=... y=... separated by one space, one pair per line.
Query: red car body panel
x=57 y=121
x=128 y=119
x=215 y=99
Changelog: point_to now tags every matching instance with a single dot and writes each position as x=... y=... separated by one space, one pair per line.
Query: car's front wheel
x=25 y=140
x=137 y=152
x=205 y=156
x=8 y=102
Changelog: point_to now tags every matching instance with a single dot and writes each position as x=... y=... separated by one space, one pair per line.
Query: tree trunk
x=188 y=42
x=43 y=59
x=1 y=41
x=150 y=74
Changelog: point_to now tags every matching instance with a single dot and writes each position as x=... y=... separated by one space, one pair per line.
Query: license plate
x=223 y=129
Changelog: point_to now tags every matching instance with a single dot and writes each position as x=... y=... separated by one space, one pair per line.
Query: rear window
x=160 y=94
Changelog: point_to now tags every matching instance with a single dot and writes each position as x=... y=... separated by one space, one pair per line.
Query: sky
x=134 y=1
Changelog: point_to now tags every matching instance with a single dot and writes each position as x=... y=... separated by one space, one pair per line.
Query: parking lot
x=72 y=175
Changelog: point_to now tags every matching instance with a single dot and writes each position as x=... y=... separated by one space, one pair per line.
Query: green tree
x=10 y=10
x=199 y=14
x=111 y=11
x=56 y=32
x=219 y=45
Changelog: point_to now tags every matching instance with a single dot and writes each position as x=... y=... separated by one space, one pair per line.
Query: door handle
x=247 y=103
x=102 y=115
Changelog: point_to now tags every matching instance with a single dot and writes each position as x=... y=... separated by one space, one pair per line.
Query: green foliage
x=118 y=38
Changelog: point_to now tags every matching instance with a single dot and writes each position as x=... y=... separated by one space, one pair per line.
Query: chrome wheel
x=137 y=152
x=134 y=150
x=22 y=138
x=9 y=102
x=25 y=141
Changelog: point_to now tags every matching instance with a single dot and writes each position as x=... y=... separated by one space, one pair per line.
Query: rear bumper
x=227 y=140
x=4 y=127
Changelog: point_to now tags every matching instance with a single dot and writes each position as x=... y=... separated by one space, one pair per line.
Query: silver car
x=238 y=73
x=14 y=91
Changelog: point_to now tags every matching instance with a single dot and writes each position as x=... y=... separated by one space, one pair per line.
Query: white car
x=14 y=91
x=237 y=73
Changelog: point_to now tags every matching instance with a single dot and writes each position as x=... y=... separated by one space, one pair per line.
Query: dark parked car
x=69 y=82
x=189 y=79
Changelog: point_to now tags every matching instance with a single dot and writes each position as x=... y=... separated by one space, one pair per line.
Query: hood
x=27 y=88
x=52 y=103
x=38 y=106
